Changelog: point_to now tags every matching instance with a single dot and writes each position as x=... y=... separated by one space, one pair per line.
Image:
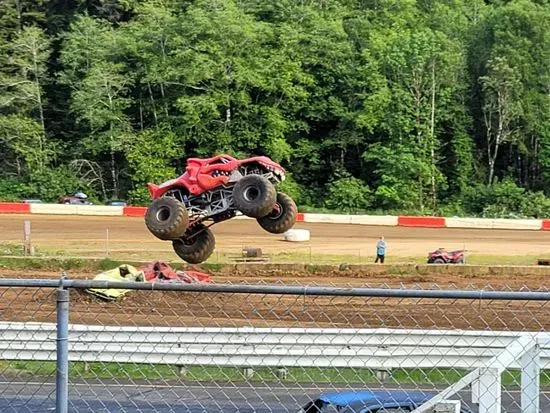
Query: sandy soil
x=87 y=236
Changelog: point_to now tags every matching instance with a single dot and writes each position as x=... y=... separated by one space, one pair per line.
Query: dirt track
x=81 y=235
x=78 y=234
x=208 y=309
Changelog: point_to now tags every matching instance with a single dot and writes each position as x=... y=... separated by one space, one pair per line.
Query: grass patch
x=306 y=257
x=18 y=250
x=7 y=248
x=60 y=263
x=476 y=259
x=398 y=271
x=211 y=266
x=136 y=372
x=107 y=264
x=42 y=263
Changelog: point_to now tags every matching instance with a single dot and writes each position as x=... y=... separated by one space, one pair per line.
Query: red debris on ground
x=158 y=271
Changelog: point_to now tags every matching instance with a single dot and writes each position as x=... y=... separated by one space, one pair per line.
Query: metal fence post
x=62 y=360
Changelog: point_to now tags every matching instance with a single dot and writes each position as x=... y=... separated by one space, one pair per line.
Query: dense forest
x=409 y=106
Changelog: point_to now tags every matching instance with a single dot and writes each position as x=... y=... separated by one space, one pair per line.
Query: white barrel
x=297 y=235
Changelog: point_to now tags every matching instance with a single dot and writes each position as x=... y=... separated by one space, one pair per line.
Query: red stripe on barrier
x=130 y=211
x=14 y=208
x=300 y=217
x=546 y=225
x=431 y=222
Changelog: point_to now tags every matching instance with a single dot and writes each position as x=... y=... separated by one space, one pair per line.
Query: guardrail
x=377 y=349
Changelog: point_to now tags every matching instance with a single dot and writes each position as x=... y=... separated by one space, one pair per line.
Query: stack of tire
x=253 y=195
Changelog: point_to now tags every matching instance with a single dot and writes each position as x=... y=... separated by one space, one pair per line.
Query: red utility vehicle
x=213 y=190
x=442 y=256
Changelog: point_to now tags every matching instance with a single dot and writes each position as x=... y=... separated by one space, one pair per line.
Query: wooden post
x=27 y=245
x=107 y=243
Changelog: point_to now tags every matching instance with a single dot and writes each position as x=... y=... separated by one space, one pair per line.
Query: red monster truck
x=213 y=190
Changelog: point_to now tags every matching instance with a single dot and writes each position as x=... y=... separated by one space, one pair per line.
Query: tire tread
x=284 y=223
x=261 y=209
x=198 y=252
x=173 y=231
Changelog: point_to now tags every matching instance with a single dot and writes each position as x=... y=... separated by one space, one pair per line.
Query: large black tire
x=282 y=217
x=439 y=261
x=167 y=218
x=254 y=196
x=196 y=245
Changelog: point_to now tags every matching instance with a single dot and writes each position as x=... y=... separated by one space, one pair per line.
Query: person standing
x=380 y=250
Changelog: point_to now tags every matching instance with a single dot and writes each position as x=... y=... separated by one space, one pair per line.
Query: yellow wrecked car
x=121 y=274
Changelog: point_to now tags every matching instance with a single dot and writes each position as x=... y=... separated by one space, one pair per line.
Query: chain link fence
x=267 y=348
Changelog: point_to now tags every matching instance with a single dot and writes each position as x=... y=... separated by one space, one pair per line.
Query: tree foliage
x=409 y=106
x=348 y=194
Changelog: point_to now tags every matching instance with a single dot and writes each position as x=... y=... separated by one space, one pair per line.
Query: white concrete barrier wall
x=385 y=220
x=99 y=210
x=54 y=209
x=63 y=209
x=331 y=218
x=489 y=223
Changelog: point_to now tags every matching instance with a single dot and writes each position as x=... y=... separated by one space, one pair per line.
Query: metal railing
x=376 y=349
x=261 y=347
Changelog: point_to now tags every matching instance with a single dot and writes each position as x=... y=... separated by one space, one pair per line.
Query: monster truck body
x=202 y=175
x=214 y=190
x=206 y=187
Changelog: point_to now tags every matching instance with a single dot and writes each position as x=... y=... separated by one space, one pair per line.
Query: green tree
x=423 y=101
x=403 y=175
x=17 y=14
x=150 y=41
x=88 y=41
x=515 y=32
x=420 y=66
x=23 y=126
x=501 y=108
x=100 y=101
x=151 y=155
x=348 y=194
x=237 y=84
